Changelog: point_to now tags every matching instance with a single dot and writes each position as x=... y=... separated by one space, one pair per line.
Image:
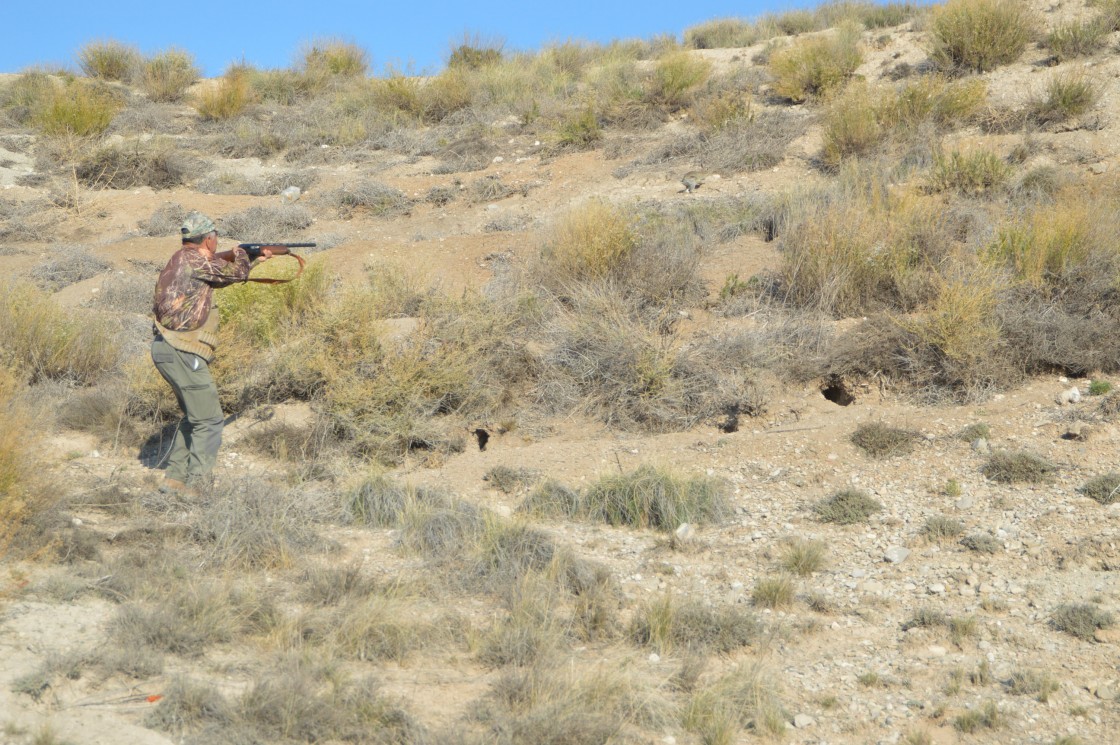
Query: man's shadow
x=153 y=453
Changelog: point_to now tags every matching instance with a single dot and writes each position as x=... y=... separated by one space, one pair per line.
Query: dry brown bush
x=262 y=224
x=67 y=265
x=155 y=163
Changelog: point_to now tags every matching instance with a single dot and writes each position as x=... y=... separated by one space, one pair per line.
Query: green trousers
x=195 y=448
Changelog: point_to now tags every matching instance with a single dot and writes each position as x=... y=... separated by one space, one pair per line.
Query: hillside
x=549 y=446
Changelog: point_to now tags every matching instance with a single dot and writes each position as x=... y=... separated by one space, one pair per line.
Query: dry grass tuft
x=940 y=528
x=746 y=698
x=228 y=98
x=803 y=556
x=47 y=342
x=654 y=498
x=672 y=626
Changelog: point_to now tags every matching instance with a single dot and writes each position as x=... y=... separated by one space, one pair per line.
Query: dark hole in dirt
x=730 y=421
x=483 y=437
x=837 y=392
x=769 y=229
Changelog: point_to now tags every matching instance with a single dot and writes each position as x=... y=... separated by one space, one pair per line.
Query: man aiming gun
x=186 y=332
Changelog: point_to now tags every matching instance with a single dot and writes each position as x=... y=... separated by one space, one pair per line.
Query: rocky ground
x=850 y=661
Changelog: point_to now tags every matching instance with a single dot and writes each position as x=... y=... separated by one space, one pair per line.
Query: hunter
x=186 y=332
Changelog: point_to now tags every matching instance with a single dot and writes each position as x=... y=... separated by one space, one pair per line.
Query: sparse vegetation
x=1017 y=467
x=803 y=557
x=813 y=67
x=654 y=498
x=847 y=507
x=481 y=271
x=1081 y=619
x=941 y=528
x=1104 y=488
x=883 y=441
x=166 y=76
x=980 y=35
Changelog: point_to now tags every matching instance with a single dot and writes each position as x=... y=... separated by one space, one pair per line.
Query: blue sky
x=412 y=36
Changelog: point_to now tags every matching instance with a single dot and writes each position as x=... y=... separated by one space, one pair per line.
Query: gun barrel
x=276 y=245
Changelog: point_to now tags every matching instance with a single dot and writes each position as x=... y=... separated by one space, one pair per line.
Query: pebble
x=981 y=446
x=654 y=657
x=965 y=503
x=685 y=532
x=936 y=589
x=937 y=650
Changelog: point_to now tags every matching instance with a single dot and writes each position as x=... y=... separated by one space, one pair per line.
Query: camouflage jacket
x=185 y=289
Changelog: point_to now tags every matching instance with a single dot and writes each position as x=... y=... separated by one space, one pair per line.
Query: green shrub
x=974 y=173
x=676 y=76
x=813 y=67
x=1104 y=488
x=78 y=108
x=580 y=129
x=1068 y=94
x=847 y=507
x=980 y=35
x=881 y=441
x=168 y=75
x=1016 y=467
x=109 y=60
x=653 y=498
x=1099 y=387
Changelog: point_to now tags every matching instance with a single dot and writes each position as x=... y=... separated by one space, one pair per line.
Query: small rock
x=896 y=554
x=981 y=446
x=290 y=194
x=801 y=721
x=76 y=522
x=861 y=573
x=1105 y=691
x=503 y=510
x=936 y=589
x=654 y=657
x=95 y=454
x=965 y=503
x=936 y=650
x=1098 y=168
x=1069 y=396
x=1108 y=636
x=685 y=532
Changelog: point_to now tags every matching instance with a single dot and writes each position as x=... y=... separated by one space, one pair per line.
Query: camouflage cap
x=196 y=225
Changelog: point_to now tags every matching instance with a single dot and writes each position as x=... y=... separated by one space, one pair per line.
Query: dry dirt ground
x=848 y=671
